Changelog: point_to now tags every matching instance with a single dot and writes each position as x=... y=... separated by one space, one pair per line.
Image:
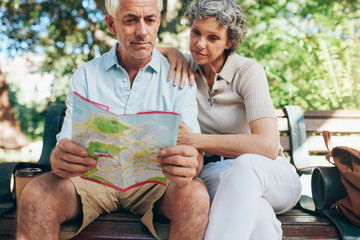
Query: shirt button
x=218 y=78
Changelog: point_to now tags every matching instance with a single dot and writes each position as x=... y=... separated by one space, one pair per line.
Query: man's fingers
x=66 y=145
x=182 y=150
x=178 y=171
x=85 y=161
x=64 y=174
x=60 y=154
x=75 y=166
x=178 y=180
x=69 y=159
x=179 y=161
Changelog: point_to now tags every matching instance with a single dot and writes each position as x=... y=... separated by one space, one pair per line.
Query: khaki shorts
x=98 y=199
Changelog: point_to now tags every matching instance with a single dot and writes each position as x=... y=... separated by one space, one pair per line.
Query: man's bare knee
x=195 y=190
x=187 y=208
x=47 y=194
x=193 y=197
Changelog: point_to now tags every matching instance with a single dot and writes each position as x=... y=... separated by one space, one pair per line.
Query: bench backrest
x=302 y=129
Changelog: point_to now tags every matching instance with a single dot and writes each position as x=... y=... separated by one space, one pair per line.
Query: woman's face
x=208 y=40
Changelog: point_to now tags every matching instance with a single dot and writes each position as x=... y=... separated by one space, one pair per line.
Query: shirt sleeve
x=255 y=91
x=75 y=85
x=186 y=105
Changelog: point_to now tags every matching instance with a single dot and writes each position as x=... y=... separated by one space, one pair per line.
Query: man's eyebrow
x=152 y=15
x=131 y=15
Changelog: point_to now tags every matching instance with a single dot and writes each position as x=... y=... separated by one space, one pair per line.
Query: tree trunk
x=11 y=136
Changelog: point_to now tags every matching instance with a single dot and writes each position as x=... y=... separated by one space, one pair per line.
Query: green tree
x=309 y=49
x=68 y=32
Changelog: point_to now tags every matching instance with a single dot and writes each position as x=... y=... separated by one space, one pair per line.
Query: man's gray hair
x=113 y=5
x=228 y=13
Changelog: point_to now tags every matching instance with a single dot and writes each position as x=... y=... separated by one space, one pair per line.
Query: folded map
x=125 y=146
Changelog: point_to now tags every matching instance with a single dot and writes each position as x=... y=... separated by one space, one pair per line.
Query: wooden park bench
x=300 y=137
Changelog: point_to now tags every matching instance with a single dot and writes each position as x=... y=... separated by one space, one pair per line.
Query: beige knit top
x=240 y=95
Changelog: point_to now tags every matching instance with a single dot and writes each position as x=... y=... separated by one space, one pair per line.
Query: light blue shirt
x=104 y=81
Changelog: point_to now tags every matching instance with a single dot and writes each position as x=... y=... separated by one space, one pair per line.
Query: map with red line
x=125 y=146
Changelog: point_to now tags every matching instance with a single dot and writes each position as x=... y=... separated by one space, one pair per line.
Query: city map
x=125 y=146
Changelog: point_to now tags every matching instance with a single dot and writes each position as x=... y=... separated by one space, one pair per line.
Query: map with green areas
x=125 y=146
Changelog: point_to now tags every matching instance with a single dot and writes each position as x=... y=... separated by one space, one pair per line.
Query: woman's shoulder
x=237 y=65
x=237 y=61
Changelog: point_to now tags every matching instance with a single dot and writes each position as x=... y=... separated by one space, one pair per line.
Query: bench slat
x=346 y=126
x=280 y=113
x=115 y=230
x=343 y=114
x=310 y=232
x=315 y=144
x=333 y=125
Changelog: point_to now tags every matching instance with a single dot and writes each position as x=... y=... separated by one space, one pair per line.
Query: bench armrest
x=53 y=121
x=299 y=152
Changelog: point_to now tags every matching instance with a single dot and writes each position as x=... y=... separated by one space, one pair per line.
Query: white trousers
x=246 y=192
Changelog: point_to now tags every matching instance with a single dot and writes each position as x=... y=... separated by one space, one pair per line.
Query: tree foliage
x=309 y=48
x=70 y=32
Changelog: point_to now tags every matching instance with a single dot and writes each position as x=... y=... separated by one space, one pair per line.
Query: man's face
x=136 y=25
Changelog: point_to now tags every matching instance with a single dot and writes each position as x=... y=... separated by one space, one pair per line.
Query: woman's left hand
x=184 y=135
x=179 y=66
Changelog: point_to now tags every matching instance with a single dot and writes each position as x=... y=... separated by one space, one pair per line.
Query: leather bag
x=347 y=161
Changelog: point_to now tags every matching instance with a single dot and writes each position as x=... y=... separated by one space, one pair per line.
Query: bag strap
x=346 y=229
x=327 y=140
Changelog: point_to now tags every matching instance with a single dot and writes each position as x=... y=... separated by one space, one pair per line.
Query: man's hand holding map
x=125 y=146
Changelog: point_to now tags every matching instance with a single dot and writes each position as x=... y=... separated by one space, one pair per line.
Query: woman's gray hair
x=113 y=5
x=228 y=13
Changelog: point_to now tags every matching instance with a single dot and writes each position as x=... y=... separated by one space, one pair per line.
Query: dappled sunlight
x=29 y=153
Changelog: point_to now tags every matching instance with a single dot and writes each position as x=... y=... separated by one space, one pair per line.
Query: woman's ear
x=229 y=44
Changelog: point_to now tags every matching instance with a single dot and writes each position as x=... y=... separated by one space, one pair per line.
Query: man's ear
x=110 y=22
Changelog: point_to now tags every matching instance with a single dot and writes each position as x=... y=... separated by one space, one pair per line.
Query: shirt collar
x=154 y=62
x=227 y=72
x=229 y=69
x=111 y=59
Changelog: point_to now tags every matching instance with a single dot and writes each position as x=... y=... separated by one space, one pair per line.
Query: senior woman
x=248 y=178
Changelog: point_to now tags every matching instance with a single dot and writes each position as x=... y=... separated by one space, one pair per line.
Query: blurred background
x=310 y=50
